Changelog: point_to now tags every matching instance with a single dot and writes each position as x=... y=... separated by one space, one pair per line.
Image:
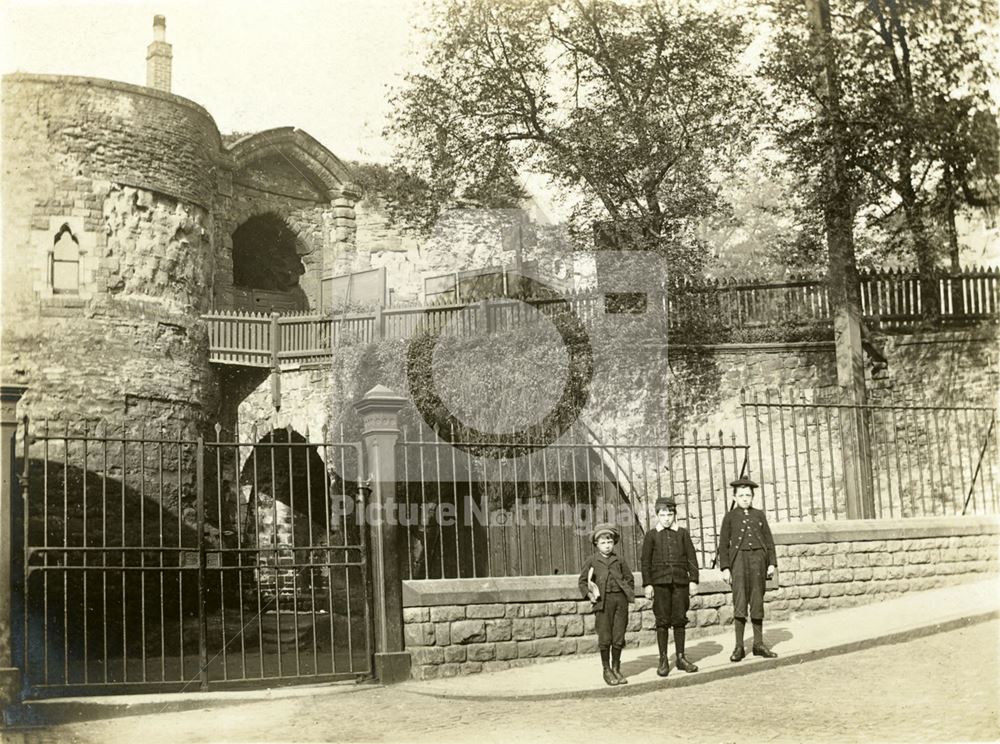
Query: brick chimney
x=158 y=57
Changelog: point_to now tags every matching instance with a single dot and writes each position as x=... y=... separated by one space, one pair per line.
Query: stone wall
x=948 y=368
x=277 y=185
x=463 y=239
x=135 y=187
x=115 y=131
x=87 y=156
x=316 y=400
x=919 y=471
x=795 y=457
x=465 y=626
x=309 y=219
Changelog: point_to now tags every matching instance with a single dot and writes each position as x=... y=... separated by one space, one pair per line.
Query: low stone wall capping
x=465 y=626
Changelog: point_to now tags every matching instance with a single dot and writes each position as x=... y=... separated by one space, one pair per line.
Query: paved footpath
x=930 y=673
x=806 y=638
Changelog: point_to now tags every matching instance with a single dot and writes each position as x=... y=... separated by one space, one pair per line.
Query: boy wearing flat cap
x=748 y=559
x=669 y=578
x=607 y=580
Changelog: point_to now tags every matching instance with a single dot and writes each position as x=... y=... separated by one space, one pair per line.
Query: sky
x=323 y=66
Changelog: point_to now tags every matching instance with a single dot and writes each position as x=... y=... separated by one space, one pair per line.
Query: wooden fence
x=890 y=299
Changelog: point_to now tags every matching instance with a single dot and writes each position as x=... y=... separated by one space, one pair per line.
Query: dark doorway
x=265 y=255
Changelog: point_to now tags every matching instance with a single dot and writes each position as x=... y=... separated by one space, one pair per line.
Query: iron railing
x=150 y=561
x=926 y=460
x=482 y=511
x=890 y=299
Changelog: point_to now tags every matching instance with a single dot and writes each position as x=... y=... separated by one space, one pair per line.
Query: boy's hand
x=727 y=576
x=648 y=591
x=770 y=572
x=692 y=588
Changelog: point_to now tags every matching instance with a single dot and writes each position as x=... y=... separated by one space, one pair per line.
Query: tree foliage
x=631 y=109
x=921 y=124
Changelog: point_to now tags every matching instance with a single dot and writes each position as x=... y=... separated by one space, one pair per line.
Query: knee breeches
x=670 y=605
x=610 y=621
x=749 y=575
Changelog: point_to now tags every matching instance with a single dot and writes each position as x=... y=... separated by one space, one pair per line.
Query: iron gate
x=155 y=562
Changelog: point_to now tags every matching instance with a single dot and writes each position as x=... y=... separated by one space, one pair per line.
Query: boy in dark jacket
x=607 y=580
x=669 y=578
x=748 y=560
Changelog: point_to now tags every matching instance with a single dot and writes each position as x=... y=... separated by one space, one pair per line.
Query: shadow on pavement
x=641 y=664
x=775 y=636
x=694 y=654
x=702 y=651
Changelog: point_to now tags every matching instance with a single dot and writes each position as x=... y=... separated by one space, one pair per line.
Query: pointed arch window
x=64 y=262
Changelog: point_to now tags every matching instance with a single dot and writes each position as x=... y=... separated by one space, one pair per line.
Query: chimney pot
x=159 y=28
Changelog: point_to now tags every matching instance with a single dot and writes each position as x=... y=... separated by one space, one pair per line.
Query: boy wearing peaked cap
x=748 y=559
x=669 y=578
x=607 y=581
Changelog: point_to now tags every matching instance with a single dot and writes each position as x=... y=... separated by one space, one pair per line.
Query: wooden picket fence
x=889 y=299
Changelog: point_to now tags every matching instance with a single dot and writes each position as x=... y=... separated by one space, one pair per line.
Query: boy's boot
x=616 y=665
x=759 y=649
x=663 y=641
x=609 y=676
x=739 y=652
x=682 y=663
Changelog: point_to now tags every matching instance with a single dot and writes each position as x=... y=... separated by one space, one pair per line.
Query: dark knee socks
x=679 y=640
x=758 y=632
x=616 y=658
x=740 y=624
x=605 y=657
x=663 y=640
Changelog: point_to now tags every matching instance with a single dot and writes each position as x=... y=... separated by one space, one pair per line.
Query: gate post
x=10 y=676
x=379 y=410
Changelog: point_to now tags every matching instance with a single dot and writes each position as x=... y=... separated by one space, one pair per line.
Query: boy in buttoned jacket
x=747 y=558
x=669 y=578
x=607 y=581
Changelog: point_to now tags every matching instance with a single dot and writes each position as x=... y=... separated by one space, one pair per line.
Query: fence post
x=379 y=323
x=379 y=411
x=202 y=578
x=275 y=362
x=484 y=309
x=10 y=676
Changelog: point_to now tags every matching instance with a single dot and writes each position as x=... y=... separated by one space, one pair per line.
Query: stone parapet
x=465 y=626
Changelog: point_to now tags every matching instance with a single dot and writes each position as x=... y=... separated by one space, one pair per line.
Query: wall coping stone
x=563 y=587
x=797 y=533
x=509 y=589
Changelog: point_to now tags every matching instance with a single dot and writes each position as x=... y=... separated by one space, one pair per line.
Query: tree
x=921 y=126
x=630 y=109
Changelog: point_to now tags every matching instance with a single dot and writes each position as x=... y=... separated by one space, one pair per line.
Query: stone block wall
x=112 y=130
x=324 y=228
x=463 y=239
x=91 y=155
x=309 y=219
x=923 y=459
x=466 y=626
